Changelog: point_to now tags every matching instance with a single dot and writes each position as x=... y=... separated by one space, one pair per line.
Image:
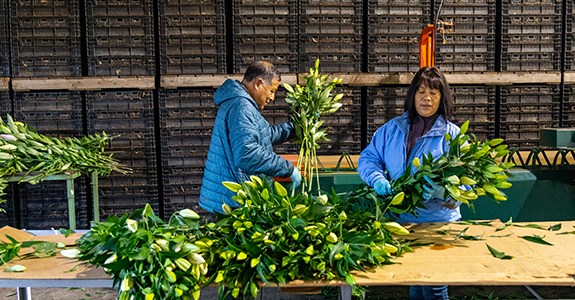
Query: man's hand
x=296 y=178
x=432 y=189
x=382 y=187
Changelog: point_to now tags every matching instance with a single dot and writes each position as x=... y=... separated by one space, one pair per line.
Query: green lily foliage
x=307 y=105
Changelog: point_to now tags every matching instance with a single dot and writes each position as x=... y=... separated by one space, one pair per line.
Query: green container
x=536 y=195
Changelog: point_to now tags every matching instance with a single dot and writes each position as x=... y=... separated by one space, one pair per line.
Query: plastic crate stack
x=467 y=42
x=476 y=104
x=187 y=119
x=266 y=30
x=192 y=37
x=4 y=39
x=9 y=216
x=128 y=115
x=383 y=104
x=568 y=116
x=45 y=38
x=277 y=112
x=394 y=31
x=531 y=35
x=570 y=37
x=525 y=110
x=344 y=125
x=56 y=114
x=120 y=37
x=332 y=32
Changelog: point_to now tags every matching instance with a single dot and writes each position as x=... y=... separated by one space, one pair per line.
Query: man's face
x=264 y=94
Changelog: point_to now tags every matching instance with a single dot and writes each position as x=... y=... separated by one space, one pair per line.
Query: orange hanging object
x=291 y=158
x=427 y=47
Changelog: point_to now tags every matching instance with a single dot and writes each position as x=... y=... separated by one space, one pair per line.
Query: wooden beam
x=4 y=84
x=176 y=81
x=503 y=78
x=367 y=79
x=83 y=83
x=569 y=77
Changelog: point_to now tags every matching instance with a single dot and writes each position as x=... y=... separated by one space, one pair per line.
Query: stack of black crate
x=568 y=114
x=45 y=38
x=394 y=31
x=344 y=125
x=383 y=104
x=525 y=110
x=332 y=32
x=266 y=31
x=192 y=37
x=59 y=115
x=467 y=40
x=476 y=104
x=531 y=35
x=8 y=217
x=126 y=115
x=187 y=119
x=120 y=36
x=4 y=39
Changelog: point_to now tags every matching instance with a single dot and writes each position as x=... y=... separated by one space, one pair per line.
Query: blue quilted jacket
x=241 y=146
x=387 y=152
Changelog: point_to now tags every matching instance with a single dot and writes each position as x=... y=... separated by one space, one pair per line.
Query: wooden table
x=447 y=261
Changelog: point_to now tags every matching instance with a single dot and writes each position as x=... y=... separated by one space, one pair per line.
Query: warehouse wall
x=165 y=133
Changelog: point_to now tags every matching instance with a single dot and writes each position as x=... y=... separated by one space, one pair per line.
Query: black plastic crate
x=9 y=217
x=120 y=37
x=5 y=105
x=120 y=210
x=191 y=161
x=568 y=116
x=45 y=205
x=192 y=37
x=45 y=38
x=266 y=31
x=183 y=179
x=4 y=40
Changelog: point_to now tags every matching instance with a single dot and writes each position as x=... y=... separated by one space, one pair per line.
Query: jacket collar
x=232 y=89
x=439 y=128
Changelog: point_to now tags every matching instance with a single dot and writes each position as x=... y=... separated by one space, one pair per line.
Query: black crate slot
x=120 y=38
x=4 y=40
x=265 y=31
x=192 y=37
x=331 y=32
x=45 y=205
x=467 y=40
x=45 y=39
x=531 y=36
x=525 y=110
x=394 y=31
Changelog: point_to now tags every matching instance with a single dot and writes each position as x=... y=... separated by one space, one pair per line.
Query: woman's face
x=427 y=100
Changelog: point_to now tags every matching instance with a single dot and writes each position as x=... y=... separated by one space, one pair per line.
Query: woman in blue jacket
x=421 y=129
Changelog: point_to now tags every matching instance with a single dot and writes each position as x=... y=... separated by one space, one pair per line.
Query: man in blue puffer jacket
x=242 y=139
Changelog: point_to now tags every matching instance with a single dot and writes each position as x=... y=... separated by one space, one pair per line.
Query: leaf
x=461 y=234
x=537 y=226
x=469 y=222
x=500 y=255
x=536 y=239
x=568 y=232
x=500 y=236
x=442 y=233
x=555 y=227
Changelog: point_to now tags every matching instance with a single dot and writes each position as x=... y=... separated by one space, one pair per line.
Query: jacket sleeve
x=281 y=132
x=248 y=154
x=371 y=166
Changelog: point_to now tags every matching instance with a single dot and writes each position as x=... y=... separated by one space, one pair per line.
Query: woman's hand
x=382 y=187
x=432 y=189
x=450 y=203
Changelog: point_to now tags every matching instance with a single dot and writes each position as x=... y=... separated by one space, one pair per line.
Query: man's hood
x=232 y=89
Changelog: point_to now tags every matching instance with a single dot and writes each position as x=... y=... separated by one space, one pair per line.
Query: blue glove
x=296 y=178
x=432 y=189
x=382 y=187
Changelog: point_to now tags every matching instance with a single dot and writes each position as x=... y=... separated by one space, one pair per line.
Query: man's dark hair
x=434 y=79
x=264 y=70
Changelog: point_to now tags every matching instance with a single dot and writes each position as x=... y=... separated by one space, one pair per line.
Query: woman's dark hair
x=434 y=79
x=264 y=70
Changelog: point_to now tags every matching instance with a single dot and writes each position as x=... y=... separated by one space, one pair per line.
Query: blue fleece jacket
x=387 y=151
x=241 y=146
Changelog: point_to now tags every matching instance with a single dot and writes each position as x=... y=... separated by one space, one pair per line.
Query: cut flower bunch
x=307 y=105
x=469 y=169
x=23 y=150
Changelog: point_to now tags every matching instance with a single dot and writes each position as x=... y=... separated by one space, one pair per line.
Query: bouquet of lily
x=472 y=163
x=307 y=105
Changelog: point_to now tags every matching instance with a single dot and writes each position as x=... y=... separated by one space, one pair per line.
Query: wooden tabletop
x=446 y=261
